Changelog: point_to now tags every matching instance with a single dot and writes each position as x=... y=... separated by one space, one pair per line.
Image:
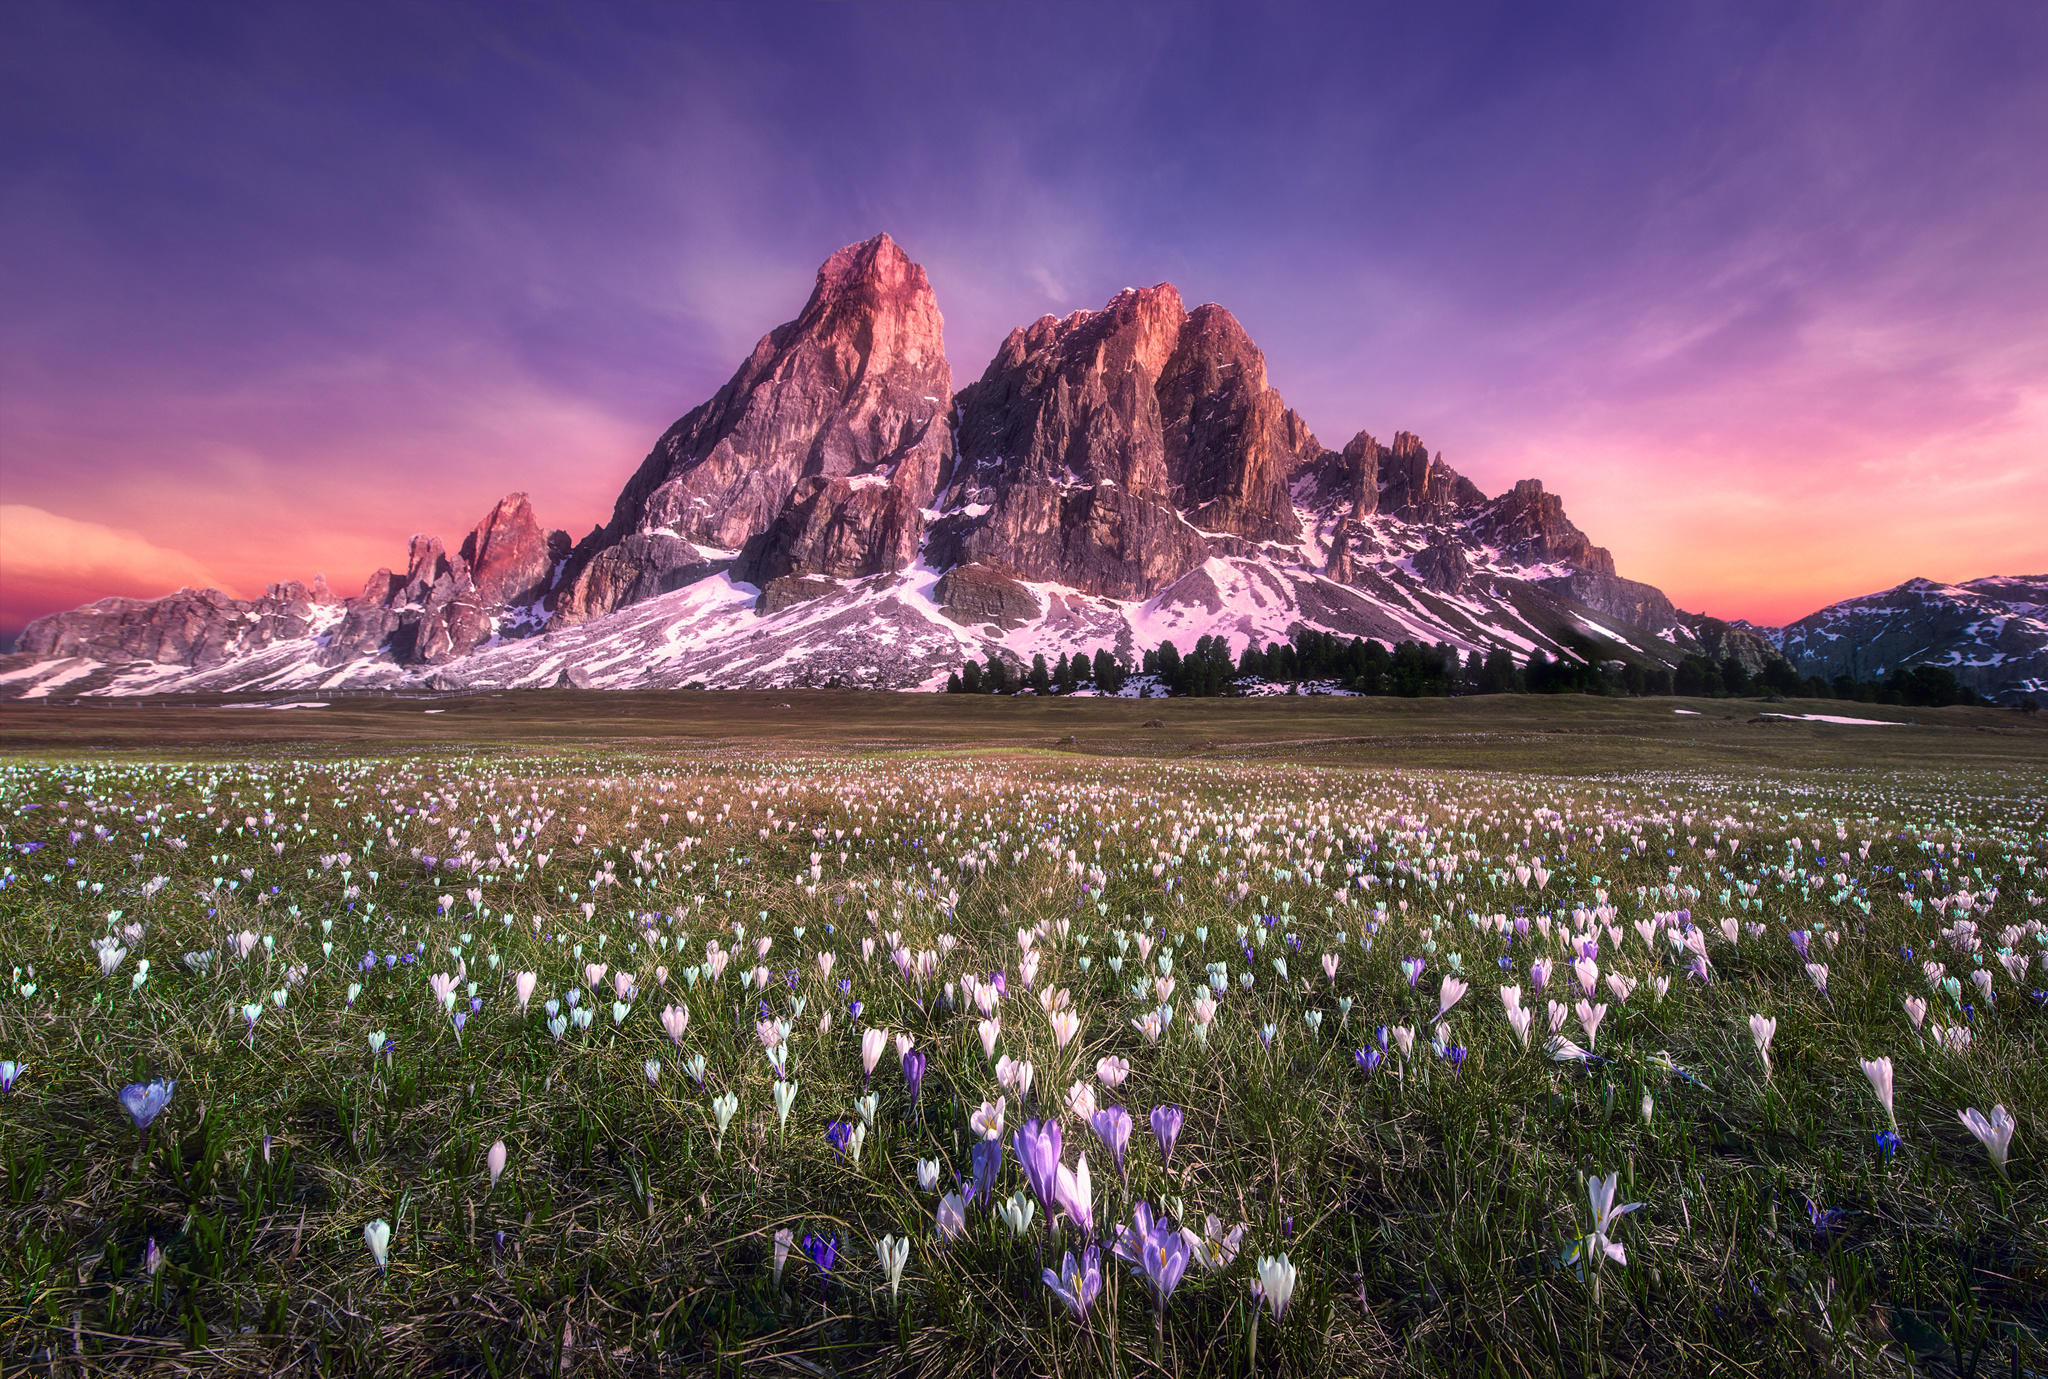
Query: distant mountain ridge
x=1991 y=633
x=838 y=514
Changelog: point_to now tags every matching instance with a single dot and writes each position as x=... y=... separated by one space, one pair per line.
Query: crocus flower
x=784 y=1238
x=1077 y=1284
x=872 y=1042
x=1166 y=1123
x=1275 y=1283
x=1411 y=968
x=1879 y=1071
x=10 y=1073
x=1163 y=1255
x=987 y=1161
x=1038 y=1150
x=1076 y=1194
x=1763 y=1029
x=823 y=1250
x=1065 y=1025
x=144 y=1101
x=1214 y=1249
x=1449 y=994
x=785 y=1097
x=928 y=1175
x=1112 y=1071
x=1994 y=1132
x=1590 y=1016
x=952 y=1216
x=988 y=1121
x=377 y=1235
x=1017 y=1210
x=1368 y=1060
x=1600 y=1196
x=894 y=1253
x=495 y=1161
x=839 y=1132
x=152 y=1258
x=675 y=1019
x=913 y=1072
x=1113 y=1127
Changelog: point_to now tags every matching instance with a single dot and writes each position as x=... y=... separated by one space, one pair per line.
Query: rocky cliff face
x=1114 y=450
x=780 y=466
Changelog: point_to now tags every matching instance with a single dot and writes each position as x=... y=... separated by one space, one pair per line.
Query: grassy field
x=1385 y=988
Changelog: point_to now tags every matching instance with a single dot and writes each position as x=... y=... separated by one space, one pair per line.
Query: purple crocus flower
x=144 y=1101
x=823 y=1250
x=854 y=1008
x=1131 y=1239
x=988 y=1161
x=1077 y=1284
x=839 y=1132
x=913 y=1072
x=1113 y=1128
x=1163 y=1256
x=1369 y=1060
x=1037 y=1144
x=1166 y=1123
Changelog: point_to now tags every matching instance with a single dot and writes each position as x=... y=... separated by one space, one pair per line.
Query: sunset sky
x=1762 y=290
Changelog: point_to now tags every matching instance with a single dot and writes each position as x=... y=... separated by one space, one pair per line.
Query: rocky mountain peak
x=508 y=555
x=854 y=392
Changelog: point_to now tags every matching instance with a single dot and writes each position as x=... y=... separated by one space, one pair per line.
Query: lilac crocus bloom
x=913 y=1072
x=10 y=1073
x=1113 y=1128
x=1162 y=1256
x=839 y=1132
x=144 y=1101
x=1369 y=1060
x=1166 y=1123
x=1077 y=1284
x=1130 y=1239
x=1038 y=1150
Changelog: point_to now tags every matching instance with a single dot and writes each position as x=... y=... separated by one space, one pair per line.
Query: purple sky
x=1761 y=290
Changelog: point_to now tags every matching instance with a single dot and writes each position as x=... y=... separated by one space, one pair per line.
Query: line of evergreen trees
x=1411 y=669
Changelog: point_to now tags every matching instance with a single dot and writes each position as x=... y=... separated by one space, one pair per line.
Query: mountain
x=838 y=514
x=1992 y=633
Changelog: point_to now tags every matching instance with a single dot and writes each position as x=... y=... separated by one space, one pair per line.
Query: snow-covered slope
x=886 y=631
